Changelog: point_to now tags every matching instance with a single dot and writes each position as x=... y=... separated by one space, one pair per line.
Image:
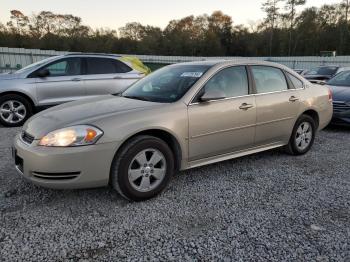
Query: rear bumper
x=65 y=168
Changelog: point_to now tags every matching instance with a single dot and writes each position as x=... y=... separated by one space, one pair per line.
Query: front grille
x=27 y=138
x=340 y=106
x=56 y=176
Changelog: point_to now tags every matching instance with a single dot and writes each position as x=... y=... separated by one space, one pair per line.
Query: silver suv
x=61 y=79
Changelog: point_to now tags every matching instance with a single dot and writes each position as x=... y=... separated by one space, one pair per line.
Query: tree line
x=288 y=29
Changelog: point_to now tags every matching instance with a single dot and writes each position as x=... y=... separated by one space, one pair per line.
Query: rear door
x=277 y=103
x=107 y=76
x=63 y=84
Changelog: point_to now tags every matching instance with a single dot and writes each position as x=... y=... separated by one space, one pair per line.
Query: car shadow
x=337 y=128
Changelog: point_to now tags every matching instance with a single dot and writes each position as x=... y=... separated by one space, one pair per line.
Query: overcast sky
x=114 y=14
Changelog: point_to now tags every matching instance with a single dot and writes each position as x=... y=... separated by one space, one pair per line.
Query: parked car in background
x=61 y=79
x=179 y=117
x=321 y=74
x=340 y=86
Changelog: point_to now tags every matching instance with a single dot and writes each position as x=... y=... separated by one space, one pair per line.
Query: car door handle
x=245 y=106
x=76 y=79
x=118 y=77
x=293 y=99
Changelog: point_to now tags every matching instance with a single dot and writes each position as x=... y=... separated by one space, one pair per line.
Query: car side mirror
x=43 y=73
x=212 y=95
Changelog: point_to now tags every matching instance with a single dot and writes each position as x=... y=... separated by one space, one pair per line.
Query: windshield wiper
x=143 y=98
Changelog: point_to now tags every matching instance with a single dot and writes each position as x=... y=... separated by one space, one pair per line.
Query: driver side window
x=64 y=67
x=231 y=82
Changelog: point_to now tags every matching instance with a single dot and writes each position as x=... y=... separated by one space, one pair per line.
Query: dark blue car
x=340 y=86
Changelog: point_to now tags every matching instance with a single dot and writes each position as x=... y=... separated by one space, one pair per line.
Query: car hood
x=340 y=93
x=81 y=112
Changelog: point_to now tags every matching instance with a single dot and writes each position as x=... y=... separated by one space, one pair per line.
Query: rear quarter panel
x=316 y=97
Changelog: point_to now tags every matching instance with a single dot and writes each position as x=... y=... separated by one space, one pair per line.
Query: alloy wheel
x=13 y=111
x=147 y=170
x=303 y=136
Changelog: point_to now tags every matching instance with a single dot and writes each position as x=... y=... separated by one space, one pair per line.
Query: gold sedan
x=179 y=117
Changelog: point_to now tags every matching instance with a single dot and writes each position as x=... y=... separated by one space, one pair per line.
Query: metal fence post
x=31 y=57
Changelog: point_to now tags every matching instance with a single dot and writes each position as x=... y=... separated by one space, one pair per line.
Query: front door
x=224 y=125
x=63 y=84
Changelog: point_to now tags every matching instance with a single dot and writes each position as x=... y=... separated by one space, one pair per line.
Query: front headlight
x=72 y=136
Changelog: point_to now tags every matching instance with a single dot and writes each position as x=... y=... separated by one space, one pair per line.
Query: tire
x=301 y=139
x=132 y=178
x=14 y=110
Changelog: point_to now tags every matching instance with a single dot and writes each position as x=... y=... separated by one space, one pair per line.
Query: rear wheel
x=14 y=110
x=143 y=168
x=303 y=136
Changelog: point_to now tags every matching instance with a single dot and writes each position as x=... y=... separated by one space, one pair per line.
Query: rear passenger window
x=121 y=67
x=269 y=79
x=298 y=84
x=98 y=65
x=232 y=81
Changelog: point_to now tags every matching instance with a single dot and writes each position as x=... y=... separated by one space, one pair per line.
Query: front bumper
x=345 y=121
x=65 y=168
x=341 y=117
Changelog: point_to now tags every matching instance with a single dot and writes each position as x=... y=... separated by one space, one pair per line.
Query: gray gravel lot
x=269 y=206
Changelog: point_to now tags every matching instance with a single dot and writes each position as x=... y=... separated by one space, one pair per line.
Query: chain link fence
x=12 y=59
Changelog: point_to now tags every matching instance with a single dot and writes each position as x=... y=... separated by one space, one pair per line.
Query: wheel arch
x=164 y=135
x=314 y=115
x=30 y=100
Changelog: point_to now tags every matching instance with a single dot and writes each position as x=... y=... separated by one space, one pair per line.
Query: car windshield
x=34 y=65
x=324 y=70
x=341 y=79
x=166 y=85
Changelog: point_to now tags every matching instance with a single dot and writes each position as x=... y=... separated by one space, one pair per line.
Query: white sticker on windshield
x=192 y=74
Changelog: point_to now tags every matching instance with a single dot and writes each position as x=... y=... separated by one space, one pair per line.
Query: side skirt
x=219 y=158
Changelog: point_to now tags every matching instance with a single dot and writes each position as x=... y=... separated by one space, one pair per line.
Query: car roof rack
x=87 y=54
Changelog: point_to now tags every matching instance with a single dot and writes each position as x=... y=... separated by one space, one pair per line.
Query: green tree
x=18 y=23
x=344 y=25
x=134 y=31
x=290 y=7
x=299 y=33
x=271 y=8
x=221 y=25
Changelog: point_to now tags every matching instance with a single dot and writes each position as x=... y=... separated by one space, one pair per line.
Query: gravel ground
x=269 y=206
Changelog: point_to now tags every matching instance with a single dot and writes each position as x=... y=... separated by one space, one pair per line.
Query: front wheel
x=303 y=136
x=143 y=168
x=14 y=110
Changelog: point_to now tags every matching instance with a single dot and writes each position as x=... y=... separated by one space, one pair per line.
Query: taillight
x=330 y=95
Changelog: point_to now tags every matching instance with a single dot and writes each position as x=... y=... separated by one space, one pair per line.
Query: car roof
x=243 y=61
x=92 y=54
